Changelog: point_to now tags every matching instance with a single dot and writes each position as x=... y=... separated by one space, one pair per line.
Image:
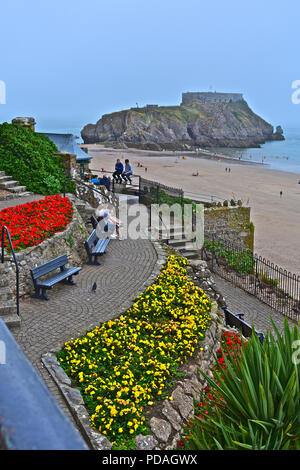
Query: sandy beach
x=276 y=219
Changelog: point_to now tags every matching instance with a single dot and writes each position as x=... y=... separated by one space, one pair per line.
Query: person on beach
x=281 y=193
x=119 y=168
x=128 y=172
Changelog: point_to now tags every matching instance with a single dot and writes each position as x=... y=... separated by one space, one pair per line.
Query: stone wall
x=230 y=223
x=211 y=97
x=70 y=241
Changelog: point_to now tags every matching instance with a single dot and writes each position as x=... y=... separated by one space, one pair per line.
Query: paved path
x=72 y=310
x=19 y=200
x=255 y=311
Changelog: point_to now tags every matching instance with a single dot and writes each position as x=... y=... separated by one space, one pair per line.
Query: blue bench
x=236 y=320
x=65 y=274
x=95 y=247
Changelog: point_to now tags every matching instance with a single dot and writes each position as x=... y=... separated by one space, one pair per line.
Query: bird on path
x=94 y=287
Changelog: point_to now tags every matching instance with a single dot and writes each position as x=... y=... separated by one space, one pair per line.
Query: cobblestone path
x=72 y=310
x=256 y=312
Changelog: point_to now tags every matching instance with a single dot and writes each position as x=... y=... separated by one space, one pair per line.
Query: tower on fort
x=211 y=97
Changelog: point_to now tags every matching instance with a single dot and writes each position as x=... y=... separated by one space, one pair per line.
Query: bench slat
x=101 y=246
x=58 y=277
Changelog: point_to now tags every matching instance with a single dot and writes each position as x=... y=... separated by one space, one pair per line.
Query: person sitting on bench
x=128 y=171
x=119 y=168
x=108 y=224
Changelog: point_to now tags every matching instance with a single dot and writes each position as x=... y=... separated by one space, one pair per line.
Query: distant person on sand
x=119 y=168
x=281 y=193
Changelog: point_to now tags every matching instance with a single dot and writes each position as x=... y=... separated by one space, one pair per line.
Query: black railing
x=5 y=230
x=258 y=276
x=235 y=320
x=78 y=181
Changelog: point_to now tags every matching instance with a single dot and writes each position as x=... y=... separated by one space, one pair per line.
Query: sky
x=68 y=62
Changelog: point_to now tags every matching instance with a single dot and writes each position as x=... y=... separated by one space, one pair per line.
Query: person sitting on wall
x=119 y=168
x=128 y=172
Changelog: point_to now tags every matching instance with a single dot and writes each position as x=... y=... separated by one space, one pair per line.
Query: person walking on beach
x=281 y=193
x=119 y=168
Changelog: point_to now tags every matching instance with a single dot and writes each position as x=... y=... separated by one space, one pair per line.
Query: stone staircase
x=176 y=239
x=84 y=209
x=9 y=184
x=8 y=309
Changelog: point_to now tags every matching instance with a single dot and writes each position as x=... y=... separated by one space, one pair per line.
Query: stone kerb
x=70 y=241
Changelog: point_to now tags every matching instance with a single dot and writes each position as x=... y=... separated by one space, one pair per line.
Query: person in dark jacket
x=119 y=168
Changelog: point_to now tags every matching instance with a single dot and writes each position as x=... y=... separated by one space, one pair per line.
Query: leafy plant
x=30 y=158
x=260 y=393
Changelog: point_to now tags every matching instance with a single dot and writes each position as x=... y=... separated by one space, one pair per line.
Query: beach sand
x=276 y=219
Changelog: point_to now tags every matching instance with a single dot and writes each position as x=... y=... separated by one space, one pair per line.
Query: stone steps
x=12 y=321
x=7 y=183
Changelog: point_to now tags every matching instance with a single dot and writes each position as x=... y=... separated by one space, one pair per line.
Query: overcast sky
x=67 y=62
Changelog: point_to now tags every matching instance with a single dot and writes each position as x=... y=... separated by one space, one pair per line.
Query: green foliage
x=261 y=391
x=29 y=158
x=241 y=261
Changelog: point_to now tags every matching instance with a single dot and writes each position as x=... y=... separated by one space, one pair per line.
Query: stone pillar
x=27 y=122
x=70 y=164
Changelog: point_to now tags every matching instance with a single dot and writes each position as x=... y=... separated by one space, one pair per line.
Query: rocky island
x=202 y=120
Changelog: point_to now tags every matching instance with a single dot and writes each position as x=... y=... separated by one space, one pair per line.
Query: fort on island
x=211 y=97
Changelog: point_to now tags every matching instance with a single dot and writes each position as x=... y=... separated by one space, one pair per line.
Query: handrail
x=5 y=229
x=84 y=184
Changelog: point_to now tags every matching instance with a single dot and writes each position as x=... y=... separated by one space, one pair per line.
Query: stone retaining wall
x=70 y=241
x=230 y=223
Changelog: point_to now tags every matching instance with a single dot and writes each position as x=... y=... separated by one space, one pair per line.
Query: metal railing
x=256 y=275
x=5 y=230
x=78 y=181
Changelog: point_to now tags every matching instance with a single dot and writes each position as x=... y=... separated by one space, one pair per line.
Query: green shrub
x=261 y=395
x=29 y=158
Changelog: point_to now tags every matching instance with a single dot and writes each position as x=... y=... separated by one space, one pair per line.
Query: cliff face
x=198 y=124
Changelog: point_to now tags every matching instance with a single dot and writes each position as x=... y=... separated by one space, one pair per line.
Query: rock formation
x=190 y=125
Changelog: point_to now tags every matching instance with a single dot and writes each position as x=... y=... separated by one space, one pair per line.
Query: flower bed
x=31 y=223
x=124 y=365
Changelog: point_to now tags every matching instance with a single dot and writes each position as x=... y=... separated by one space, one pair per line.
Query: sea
x=277 y=155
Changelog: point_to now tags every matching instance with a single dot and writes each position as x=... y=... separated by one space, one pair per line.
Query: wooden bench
x=95 y=247
x=65 y=274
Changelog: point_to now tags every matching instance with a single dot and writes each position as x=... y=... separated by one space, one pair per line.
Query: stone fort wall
x=211 y=97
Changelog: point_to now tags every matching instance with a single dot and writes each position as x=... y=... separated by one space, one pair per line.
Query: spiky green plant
x=261 y=391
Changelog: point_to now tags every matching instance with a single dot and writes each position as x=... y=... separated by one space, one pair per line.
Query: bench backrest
x=94 y=221
x=233 y=320
x=92 y=240
x=51 y=265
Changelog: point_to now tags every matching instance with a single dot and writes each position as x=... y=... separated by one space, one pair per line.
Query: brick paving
x=72 y=310
x=256 y=312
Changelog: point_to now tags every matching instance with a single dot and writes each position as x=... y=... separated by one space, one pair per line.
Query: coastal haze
x=80 y=62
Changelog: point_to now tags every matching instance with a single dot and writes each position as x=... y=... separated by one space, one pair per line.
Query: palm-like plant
x=261 y=393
